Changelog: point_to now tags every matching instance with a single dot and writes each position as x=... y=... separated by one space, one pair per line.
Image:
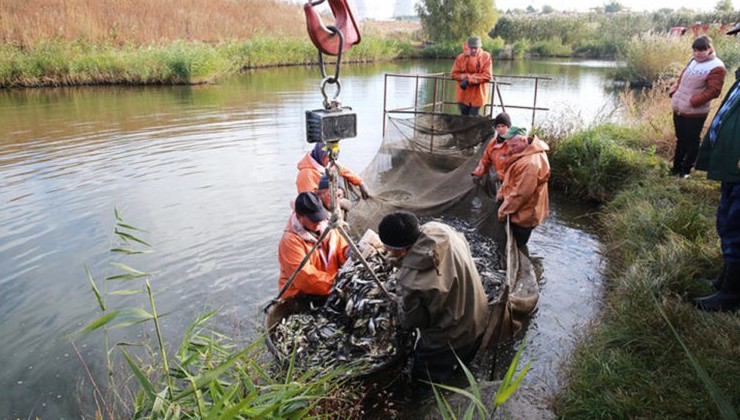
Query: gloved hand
x=364 y=193
x=476 y=179
x=464 y=84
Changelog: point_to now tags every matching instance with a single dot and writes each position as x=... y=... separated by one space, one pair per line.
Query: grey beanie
x=502 y=118
x=474 y=42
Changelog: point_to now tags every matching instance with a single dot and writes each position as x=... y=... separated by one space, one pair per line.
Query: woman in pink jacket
x=699 y=83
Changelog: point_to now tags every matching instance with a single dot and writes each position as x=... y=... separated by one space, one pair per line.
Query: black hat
x=399 y=229
x=309 y=204
x=502 y=118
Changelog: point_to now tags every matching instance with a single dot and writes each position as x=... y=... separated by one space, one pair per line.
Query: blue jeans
x=468 y=110
x=728 y=222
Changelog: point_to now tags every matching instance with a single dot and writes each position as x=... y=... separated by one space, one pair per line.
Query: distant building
x=383 y=9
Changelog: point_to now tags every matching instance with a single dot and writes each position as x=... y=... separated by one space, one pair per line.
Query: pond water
x=208 y=172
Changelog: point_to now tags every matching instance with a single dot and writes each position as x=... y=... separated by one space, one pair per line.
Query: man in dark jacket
x=719 y=155
x=441 y=293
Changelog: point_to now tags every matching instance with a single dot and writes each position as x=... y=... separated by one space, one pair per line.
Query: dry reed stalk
x=145 y=22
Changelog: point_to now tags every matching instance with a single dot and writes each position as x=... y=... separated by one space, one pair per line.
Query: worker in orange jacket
x=313 y=166
x=305 y=226
x=473 y=70
x=497 y=151
x=524 y=191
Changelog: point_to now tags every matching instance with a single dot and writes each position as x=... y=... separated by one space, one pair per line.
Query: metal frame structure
x=439 y=99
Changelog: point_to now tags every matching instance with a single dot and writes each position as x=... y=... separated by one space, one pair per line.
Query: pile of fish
x=358 y=321
x=485 y=254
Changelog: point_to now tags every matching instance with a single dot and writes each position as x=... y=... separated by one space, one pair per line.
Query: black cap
x=502 y=118
x=309 y=204
x=399 y=229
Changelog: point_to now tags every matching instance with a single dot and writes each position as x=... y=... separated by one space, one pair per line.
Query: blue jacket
x=722 y=160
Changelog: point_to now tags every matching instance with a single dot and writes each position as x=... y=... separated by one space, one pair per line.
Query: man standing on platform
x=473 y=70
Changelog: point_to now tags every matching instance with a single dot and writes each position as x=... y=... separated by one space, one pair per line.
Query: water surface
x=208 y=172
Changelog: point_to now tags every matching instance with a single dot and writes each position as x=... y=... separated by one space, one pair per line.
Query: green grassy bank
x=651 y=354
x=61 y=63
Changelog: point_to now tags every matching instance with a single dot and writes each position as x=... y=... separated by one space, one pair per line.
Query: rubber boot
x=728 y=297
x=717 y=283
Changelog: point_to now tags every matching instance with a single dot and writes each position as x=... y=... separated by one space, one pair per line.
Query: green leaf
x=129 y=251
x=100 y=322
x=158 y=406
x=724 y=407
x=126 y=292
x=127 y=276
x=141 y=378
x=125 y=226
x=507 y=388
x=212 y=374
x=504 y=395
x=132 y=316
x=127 y=268
x=127 y=236
x=95 y=290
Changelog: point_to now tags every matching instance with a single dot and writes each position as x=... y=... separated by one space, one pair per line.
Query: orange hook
x=328 y=41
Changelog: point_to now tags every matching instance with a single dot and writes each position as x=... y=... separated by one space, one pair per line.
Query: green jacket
x=722 y=160
x=441 y=290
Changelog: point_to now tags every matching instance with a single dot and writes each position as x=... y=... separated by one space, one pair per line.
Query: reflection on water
x=208 y=172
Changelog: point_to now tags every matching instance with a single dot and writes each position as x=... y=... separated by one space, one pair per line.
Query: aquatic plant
x=473 y=395
x=651 y=57
x=207 y=376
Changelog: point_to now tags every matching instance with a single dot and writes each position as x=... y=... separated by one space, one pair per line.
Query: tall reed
x=146 y=22
x=206 y=376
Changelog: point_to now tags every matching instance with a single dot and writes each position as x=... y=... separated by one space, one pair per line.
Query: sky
x=634 y=5
x=386 y=9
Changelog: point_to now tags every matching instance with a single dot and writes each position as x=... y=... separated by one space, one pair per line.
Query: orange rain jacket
x=496 y=154
x=524 y=189
x=478 y=69
x=317 y=276
x=310 y=171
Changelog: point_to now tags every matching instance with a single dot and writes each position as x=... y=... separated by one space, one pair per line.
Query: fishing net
x=423 y=166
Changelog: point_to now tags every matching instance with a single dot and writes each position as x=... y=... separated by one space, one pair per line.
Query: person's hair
x=702 y=43
x=399 y=229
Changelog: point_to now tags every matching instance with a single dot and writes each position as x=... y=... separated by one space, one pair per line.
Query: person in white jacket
x=699 y=82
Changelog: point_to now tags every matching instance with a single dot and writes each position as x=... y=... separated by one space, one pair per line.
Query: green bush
x=552 y=47
x=651 y=57
x=453 y=49
x=599 y=48
x=520 y=47
x=595 y=164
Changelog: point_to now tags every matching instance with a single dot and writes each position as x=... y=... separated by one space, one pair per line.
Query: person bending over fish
x=440 y=291
x=305 y=226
